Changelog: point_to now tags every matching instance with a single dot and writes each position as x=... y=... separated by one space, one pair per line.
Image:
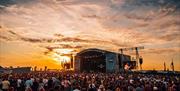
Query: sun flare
x=60 y=59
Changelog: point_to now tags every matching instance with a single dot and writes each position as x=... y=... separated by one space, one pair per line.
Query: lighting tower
x=132 y=48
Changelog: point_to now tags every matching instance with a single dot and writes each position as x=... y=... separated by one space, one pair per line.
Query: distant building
x=97 y=60
x=16 y=70
x=21 y=70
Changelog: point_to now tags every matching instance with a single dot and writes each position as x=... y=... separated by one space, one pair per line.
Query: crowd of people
x=59 y=81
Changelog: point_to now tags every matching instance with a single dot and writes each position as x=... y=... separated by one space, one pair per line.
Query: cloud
x=13 y=33
x=6 y=2
x=92 y=16
x=110 y=24
x=58 y=38
x=5 y=38
x=138 y=17
x=167 y=24
x=61 y=46
x=163 y=51
x=67 y=39
x=170 y=37
x=129 y=4
x=31 y=40
x=59 y=35
x=12 y=2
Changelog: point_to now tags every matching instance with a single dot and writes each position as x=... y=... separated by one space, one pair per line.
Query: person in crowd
x=28 y=83
x=35 y=85
x=5 y=85
x=63 y=81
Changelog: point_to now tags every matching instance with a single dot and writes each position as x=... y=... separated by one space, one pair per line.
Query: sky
x=33 y=31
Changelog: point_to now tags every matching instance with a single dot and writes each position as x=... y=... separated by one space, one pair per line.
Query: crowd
x=58 y=81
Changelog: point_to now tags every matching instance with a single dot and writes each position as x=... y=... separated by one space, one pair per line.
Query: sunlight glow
x=63 y=51
x=61 y=60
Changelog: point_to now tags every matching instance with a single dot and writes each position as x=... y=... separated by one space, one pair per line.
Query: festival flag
x=172 y=65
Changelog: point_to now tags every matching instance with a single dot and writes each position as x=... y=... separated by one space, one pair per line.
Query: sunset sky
x=32 y=31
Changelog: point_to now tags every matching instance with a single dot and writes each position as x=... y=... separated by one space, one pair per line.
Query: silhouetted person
x=35 y=85
x=50 y=83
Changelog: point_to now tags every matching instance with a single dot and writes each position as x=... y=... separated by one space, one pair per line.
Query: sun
x=63 y=57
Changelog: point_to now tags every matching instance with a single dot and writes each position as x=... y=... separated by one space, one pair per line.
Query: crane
x=137 y=53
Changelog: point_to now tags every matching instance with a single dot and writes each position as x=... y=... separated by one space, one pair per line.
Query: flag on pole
x=172 y=65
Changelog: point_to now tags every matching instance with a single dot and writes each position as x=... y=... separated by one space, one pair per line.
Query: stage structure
x=97 y=60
